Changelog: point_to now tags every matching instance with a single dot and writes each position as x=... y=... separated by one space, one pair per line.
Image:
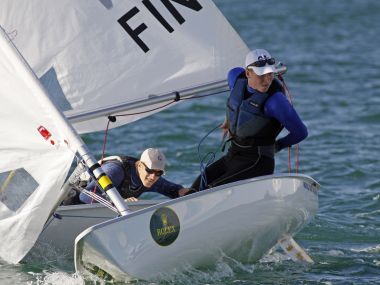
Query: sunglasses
x=157 y=173
x=263 y=62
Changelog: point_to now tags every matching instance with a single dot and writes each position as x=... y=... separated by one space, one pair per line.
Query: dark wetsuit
x=248 y=161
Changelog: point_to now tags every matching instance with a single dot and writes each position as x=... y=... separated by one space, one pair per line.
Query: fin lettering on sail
x=157 y=15
x=192 y=4
x=134 y=33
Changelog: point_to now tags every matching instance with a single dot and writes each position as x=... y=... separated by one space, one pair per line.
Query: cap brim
x=154 y=165
x=158 y=167
x=263 y=70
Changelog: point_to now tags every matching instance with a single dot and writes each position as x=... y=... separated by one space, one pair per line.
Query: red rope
x=287 y=93
x=105 y=142
x=138 y=113
x=103 y=152
x=297 y=160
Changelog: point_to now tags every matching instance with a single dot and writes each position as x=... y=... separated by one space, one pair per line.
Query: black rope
x=112 y=118
x=177 y=98
x=211 y=157
x=147 y=111
x=202 y=96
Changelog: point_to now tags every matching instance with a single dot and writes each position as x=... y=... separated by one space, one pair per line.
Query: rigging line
x=112 y=118
x=297 y=160
x=87 y=217
x=100 y=199
x=290 y=99
x=68 y=216
x=105 y=140
x=212 y=154
x=178 y=98
x=202 y=96
x=147 y=111
x=48 y=224
x=93 y=191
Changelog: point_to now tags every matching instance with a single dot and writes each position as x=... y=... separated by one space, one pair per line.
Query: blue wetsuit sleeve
x=114 y=171
x=166 y=188
x=233 y=75
x=279 y=107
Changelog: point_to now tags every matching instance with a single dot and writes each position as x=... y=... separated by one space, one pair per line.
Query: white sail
x=36 y=149
x=34 y=157
x=98 y=54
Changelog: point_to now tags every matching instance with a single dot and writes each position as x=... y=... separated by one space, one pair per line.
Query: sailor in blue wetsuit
x=132 y=177
x=257 y=111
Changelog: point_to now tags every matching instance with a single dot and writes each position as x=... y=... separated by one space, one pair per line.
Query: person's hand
x=224 y=127
x=186 y=191
x=183 y=191
x=132 y=199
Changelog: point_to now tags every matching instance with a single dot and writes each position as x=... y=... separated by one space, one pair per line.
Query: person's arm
x=169 y=189
x=114 y=171
x=279 y=107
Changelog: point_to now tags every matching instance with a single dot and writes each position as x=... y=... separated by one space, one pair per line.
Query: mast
x=73 y=140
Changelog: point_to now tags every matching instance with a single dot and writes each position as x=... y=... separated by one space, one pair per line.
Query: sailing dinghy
x=91 y=57
x=240 y=220
x=101 y=58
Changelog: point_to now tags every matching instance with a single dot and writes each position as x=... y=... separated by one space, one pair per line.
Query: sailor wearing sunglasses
x=132 y=177
x=257 y=111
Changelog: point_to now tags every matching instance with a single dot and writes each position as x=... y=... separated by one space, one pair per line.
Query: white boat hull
x=68 y=222
x=242 y=220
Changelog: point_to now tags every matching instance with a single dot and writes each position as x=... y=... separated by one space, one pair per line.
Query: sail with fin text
x=103 y=57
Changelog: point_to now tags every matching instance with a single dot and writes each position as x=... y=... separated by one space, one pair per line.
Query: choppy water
x=331 y=48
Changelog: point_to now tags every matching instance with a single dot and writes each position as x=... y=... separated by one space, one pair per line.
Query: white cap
x=256 y=55
x=153 y=158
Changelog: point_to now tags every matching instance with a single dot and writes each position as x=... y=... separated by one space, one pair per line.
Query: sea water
x=331 y=48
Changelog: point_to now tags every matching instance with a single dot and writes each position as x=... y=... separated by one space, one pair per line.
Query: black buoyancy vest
x=125 y=189
x=245 y=114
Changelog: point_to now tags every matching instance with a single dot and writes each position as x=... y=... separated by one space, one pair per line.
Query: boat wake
x=57 y=270
x=45 y=253
x=56 y=278
x=369 y=249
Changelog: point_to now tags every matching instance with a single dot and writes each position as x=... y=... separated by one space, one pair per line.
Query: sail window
x=50 y=81
x=15 y=188
x=107 y=4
